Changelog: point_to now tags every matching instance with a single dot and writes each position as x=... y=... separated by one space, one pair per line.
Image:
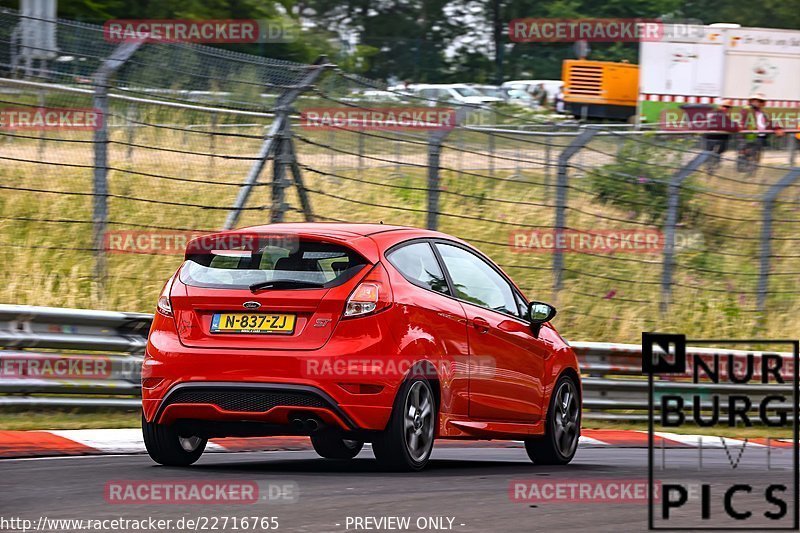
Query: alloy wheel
x=418 y=421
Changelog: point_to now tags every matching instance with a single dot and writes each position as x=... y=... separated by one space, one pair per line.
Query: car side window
x=476 y=282
x=418 y=265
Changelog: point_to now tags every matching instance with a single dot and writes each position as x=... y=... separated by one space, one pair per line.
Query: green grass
x=65 y=419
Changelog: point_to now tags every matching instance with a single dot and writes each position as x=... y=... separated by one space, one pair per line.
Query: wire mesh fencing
x=627 y=230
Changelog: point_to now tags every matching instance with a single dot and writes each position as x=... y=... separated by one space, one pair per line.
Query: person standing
x=756 y=120
x=721 y=128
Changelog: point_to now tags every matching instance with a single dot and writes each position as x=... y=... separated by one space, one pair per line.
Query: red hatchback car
x=353 y=333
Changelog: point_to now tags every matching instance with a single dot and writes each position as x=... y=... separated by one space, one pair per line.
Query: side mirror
x=538 y=314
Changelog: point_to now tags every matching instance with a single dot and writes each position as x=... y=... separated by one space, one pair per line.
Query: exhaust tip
x=312 y=424
x=297 y=424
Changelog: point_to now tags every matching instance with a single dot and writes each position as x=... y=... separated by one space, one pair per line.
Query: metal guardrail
x=109 y=376
x=70 y=357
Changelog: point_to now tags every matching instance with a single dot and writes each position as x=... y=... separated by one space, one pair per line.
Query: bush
x=638 y=179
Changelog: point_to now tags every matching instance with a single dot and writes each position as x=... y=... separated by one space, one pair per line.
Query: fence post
x=42 y=136
x=397 y=155
x=673 y=203
x=491 y=154
x=547 y=167
x=283 y=158
x=561 y=202
x=212 y=145
x=268 y=147
x=766 y=235
x=361 y=151
x=130 y=115
x=297 y=176
x=100 y=80
x=435 y=140
x=434 y=153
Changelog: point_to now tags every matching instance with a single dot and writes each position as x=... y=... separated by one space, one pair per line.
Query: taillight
x=164 y=305
x=373 y=294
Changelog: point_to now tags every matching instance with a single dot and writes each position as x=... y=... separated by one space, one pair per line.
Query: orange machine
x=600 y=89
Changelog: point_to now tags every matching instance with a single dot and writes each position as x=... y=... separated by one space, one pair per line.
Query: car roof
x=531 y=82
x=341 y=229
x=438 y=85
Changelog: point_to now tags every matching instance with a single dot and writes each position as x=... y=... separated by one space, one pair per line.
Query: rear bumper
x=264 y=402
x=340 y=384
x=274 y=403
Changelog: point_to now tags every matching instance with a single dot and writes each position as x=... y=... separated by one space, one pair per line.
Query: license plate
x=252 y=323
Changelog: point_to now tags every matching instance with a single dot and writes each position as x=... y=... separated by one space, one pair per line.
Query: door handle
x=480 y=324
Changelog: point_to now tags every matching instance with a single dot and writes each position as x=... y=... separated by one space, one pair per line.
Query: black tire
x=560 y=441
x=407 y=442
x=167 y=447
x=331 y=445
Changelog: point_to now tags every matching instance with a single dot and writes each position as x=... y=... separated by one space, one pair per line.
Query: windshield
x=519 y=94
x=493 y=91
x=467 y=91
x=307 y=263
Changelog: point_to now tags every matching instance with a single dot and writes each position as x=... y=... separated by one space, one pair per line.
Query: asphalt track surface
x=469 y=485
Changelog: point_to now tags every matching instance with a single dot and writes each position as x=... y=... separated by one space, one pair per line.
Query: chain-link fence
x=625 y=229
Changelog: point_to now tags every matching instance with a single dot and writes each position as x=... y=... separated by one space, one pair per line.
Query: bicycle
x=749 y=154
x=717 y=146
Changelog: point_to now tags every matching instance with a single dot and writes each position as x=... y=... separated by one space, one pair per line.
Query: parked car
x=509 y=96
x=551 y=87
x=374 y=95
x=353 y=333
x=459 y=93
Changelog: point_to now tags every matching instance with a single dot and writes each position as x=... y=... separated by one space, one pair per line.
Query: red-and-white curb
x=14 y=444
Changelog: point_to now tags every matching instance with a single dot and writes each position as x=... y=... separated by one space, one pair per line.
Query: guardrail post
x=435 y=140
x=673 y=203
x=101 y=79
x=269 y=146
x=768 y=202
x=561 y=202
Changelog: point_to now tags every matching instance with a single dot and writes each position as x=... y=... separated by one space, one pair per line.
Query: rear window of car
x=418 y=265
x=310 y=262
